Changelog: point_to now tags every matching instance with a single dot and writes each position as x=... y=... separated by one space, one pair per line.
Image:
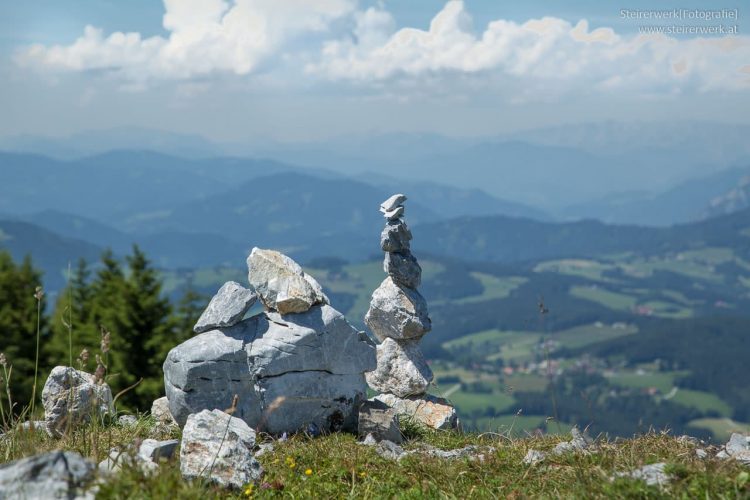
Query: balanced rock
x=397 y=312
x=403 y=268
x=395 y=237
x=227 y=307
x=71 y=396
x=428 y=410
x=288 y=370
x=392 y=203
x=281 y=283
x=219 y=447
x=402 y=369
x=53 y=475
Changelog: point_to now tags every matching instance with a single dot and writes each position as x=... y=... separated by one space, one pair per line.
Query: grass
x=466 y=402
x=581 y=336
x=664 y=381
x=703 y=401
x=494 y=287
x=721 y=428
x=607 y=298
x=589 y=269
x=335 y=466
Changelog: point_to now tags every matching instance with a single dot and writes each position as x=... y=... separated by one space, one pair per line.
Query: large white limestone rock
x=288 y=371
x=71 y=397
x=219 y=447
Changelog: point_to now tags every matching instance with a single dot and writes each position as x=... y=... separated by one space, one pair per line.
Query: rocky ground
x=428 y=463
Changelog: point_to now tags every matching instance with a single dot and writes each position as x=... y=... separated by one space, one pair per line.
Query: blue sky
x=305 y=70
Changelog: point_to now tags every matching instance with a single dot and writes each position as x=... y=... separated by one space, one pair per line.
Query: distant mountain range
x=49 y=250
x=197 y=213
x=692 y=200
x=549 y=168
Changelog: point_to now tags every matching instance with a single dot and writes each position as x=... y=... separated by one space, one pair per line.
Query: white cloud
x=537 y=59
x=206 y=37
x=540 y=51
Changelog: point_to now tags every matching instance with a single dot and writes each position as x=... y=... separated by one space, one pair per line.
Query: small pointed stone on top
x=392 y=203
x=227 y=307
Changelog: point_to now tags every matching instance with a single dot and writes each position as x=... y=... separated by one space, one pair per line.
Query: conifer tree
x=72 y=315
x=18 y=324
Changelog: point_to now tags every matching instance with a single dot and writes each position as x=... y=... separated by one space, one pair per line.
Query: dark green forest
x=112 y=317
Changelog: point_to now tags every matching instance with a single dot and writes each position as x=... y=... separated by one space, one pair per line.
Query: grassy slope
x=340 y=468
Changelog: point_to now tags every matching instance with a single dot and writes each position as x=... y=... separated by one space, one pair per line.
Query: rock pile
x=398 y=317
x=295 y=365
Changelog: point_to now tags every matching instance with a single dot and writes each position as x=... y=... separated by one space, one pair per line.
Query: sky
x=307 y=70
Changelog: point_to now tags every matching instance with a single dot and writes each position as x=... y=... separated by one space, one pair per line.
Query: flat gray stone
x=127 y=420
x=71 y=397
x=397 y=312
x=652 y=475
x=402 y=369
x=534 y=457
x=428 y=410
x=154 y=450
x=396 y=237
x=281 y=283
x=219 y=447
x=227 y=307
x=393 y=202
x=390 y=450
x=580 y=442
x=394 y=214
x=289 y=371
x=403 y=268
x=378 y=420
x=737 y=448
x=160 y=411
x=53 y=475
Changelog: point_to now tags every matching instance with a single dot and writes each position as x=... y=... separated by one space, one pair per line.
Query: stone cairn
x=398 y=317
x=296 y=366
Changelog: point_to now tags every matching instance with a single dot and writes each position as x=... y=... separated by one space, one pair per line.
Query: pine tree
x=72 y=315
x=18 y=324
x=185 y=316
x=148 y=315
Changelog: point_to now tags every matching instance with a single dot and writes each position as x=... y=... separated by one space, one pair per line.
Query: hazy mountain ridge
x=688 y=201
x=549 y=168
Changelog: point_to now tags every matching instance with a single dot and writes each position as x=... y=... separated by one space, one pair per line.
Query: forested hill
x=508 y=239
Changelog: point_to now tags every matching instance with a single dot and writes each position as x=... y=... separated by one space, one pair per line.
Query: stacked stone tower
x=398 y=313
x=398 y=317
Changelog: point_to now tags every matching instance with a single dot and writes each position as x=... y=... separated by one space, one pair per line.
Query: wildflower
x=362 y=474
x=38 y=293
x=308 y=472
x=291 y=463
x=249 y=490
x=3 y=360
